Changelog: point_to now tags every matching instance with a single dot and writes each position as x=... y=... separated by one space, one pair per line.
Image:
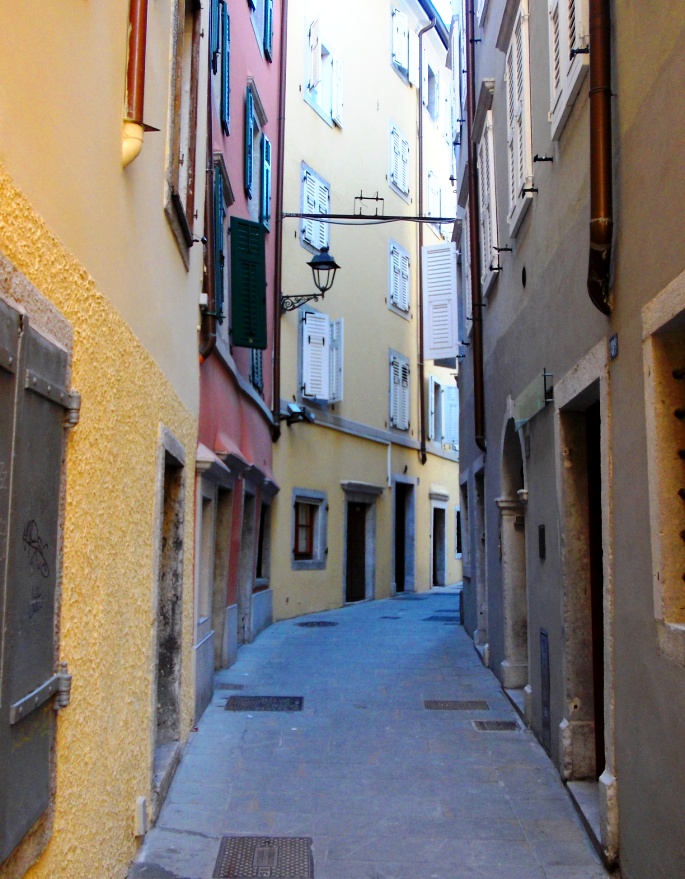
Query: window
x=443 y=414
x=309 y=525
x=262 y=16
x=220 y=29
x=316 y=198
x=439 y=270
x=569 y=61
x=257 y=157
x=431 y=91
x=324 y=78
x=399 y=294
x=399 y=161
x=322 y=357
x=248 y=284
x=488 y=206
x=219 y=207
x=467 y=300
x=457 y=534
x=265 y=206
x=405 y=47
x=434 y=195
x=399 y=391
x=519 y=133
x=180 y=178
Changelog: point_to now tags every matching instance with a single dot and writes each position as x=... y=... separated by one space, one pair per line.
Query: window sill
x=308 y=564
x=326 y=115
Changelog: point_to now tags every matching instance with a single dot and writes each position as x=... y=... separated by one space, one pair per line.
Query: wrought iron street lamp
x=323 y=268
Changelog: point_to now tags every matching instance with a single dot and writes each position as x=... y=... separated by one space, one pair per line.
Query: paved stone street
x=384 y=787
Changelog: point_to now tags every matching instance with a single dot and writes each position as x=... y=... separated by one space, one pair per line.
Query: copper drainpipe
x=601 y=205
x=476 y=300
x=134 y=126
x=422 y=402
x=278 y=270
x=208 y=324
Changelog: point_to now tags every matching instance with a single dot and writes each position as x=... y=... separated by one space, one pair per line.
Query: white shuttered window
x=466 y=271
x=519 y=133
x=322 y=357
x=488 y=206
x=568 y=33
x=315 y=200
x=399 y=160
x=399 y=293
x=336 y=361
x=399 y=391
x=439 y=269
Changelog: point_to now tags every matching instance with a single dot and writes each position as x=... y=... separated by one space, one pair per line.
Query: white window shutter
x=404 y=166
x=395 y=391
x=432 y=382
x=424 y=81
x=413 y=58
x=314 y=55
x=404 y=398
x=315 y=356
x=451 y=416
x=433 y=195
x=439 y=301
x=336 y=361
x=323 y=206
x=395 y=275
x=337 y=100
x=400 y=42
x=310 y=188
x=466 y=267
x=405 y=298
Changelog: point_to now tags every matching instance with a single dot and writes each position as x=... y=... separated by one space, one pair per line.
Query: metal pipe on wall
x=208 y=324
x=422 y=378
x=601 y=202
x=472 y=231
x=134 y=128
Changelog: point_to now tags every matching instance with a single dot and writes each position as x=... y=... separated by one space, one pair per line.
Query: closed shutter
x=323 y=206
x=336 y=361
x=249 y=135
x=440 y=301
x=404 y=166
x=451 y=417
x=488 y=204
x=519 y=134
x=315 y=356
x=413 y=58
x=214 y=30
x=225 y=109
x=399 y=278
x=269 y=28
x=399 y=392
x=314 y=55
x=556 y=66
x=400 y=42
x=310 y=193
x=219 y=242
x=395 y=156
x=33 y=395
x=265 y=208
x=248 y=284
x=337 y=98
x=404 y=396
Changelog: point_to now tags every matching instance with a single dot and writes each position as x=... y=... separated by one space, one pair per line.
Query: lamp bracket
x=291 y=303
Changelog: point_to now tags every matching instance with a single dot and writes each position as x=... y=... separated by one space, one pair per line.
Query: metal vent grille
x=253 y=857
x=456 y=705
x=264 y=703
x=316 y=624
x=496 y=725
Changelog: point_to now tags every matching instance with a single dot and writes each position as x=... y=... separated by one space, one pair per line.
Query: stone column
x=515 y=612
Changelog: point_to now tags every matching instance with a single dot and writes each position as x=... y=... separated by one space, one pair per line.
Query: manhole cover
x=450 y=705
x=496 y=725
x=251 y=857
x=316 y=624
x=442 y=618
x=264 y=703
x=222 y=686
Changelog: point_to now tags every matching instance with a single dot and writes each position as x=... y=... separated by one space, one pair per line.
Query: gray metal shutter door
x=28 y=648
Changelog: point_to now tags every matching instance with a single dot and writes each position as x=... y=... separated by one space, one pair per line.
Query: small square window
x=309 y=530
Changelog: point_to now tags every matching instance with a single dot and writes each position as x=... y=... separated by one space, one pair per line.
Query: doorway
x=403 y=544
x=246 y=568
x=481 y=634
x=438 y=546
x=355 y=577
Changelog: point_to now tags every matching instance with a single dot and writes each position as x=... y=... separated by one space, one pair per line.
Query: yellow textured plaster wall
x=105 y=736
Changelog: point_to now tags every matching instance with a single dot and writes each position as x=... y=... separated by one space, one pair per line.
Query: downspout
x=278 y=269
x=601 y=205
x=134 y=127
x=422 y=402
x=208 y=324
x=477 y=302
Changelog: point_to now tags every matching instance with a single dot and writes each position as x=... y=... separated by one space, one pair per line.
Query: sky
x=444 y=7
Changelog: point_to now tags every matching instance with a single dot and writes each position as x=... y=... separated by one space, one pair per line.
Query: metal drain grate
x=442 y=618
x=264 y=703
x=316 y=624
x=252 y=857
x=449 y=705
x=496 y=725
x=222 y=686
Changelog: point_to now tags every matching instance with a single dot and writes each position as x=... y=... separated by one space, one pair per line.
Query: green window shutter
x=269 y=29
x=249 y=130
x=265 y=208
x=219 y=256
x=248 y=284
x=214 y=28
x=225 y=109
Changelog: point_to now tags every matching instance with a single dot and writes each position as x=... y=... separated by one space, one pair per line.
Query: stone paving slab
x=385 y=788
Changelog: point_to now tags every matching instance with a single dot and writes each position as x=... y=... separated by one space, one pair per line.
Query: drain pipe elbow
x=132 y=142
x=599 y=267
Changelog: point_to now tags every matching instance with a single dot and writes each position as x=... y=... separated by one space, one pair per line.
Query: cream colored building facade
x=99 y=286
x=360 y=515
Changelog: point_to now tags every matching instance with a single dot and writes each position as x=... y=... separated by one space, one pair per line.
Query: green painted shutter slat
x=269 y=29
x=249 y=130
x=248 y=284
x=214 y=33
x=219 y=257
x=225 y=69
x=265 y=207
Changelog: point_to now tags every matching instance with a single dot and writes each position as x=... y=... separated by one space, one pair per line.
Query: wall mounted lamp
x=296 y=413
x=323 y=268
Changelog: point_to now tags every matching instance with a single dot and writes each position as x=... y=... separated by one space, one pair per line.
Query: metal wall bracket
x=59 y=683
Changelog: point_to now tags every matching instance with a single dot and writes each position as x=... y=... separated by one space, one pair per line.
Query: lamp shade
x=323 y=268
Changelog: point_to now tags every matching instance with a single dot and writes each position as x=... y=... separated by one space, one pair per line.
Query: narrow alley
x=384 y=768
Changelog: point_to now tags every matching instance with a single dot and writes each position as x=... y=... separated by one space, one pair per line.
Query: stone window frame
x=319 y=500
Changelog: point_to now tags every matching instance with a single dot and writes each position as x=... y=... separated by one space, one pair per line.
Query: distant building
x=368 y=501
x=572 y=405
